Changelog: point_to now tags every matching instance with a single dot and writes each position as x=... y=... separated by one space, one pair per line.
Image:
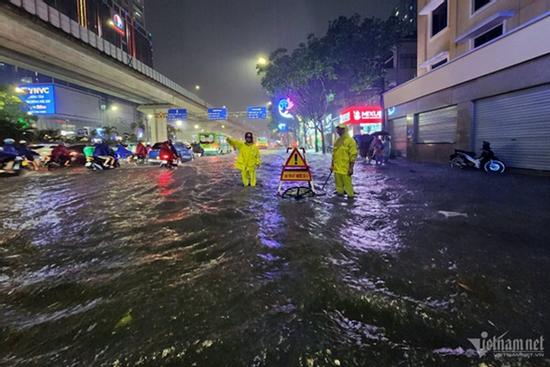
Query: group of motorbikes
x=98 y=157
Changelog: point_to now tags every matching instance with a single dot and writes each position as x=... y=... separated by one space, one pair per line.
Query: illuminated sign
x=40 y=98
x=361 y=115
x=285 y=106
x=283 y=127
x=217 y=113
x=118 y=24
x=257 y=113
x=175 y=114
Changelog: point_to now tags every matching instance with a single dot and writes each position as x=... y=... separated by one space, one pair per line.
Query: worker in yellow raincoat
x=248 y=158
x=343 y=160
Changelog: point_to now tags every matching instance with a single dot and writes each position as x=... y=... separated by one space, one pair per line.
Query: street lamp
x=197 y=87
x=262 y=61
x=197 y=126
x=114 y=107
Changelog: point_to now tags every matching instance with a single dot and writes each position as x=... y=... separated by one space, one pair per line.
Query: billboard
x=39 y=98
x=361 y=115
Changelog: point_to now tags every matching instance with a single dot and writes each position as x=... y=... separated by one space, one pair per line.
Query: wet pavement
x=151 y=267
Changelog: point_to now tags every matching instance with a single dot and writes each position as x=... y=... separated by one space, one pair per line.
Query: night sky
x=216 y=43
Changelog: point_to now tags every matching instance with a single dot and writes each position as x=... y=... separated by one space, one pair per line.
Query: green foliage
x=347 y=61
x=14 y=121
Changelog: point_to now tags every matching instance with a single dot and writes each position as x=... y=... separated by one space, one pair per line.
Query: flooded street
x=146 y=266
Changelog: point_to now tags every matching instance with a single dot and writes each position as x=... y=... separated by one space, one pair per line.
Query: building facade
x=121 y=22
x=483 y=74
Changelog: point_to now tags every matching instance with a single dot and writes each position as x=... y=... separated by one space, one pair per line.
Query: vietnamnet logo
x=39 y=98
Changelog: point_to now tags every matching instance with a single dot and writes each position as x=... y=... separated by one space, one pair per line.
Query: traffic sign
x=296 y=175
x=295 y=160
x=217 y=113
x=257 y=113
x=296 y=168
x=175 y=114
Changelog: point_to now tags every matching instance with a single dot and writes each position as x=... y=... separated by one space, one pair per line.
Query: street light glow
x=197 y=126
x=114 y=107
x=262 y=61
x=149 y=116
x=197 y=87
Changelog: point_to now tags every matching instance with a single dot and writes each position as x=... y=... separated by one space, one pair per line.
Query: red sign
x=361 y=115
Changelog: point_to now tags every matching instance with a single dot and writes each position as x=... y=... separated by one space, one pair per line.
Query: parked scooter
x=487 y=161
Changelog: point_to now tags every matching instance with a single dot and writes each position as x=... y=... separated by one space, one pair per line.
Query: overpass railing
x=61 y=21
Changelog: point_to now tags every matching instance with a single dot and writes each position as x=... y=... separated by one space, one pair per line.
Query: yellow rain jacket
x=345 y=153
x=249 y=155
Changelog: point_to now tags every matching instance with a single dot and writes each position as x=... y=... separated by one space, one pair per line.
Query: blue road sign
x=217 y=113
x=175 y=114
x=40 y=98
x=257 y=113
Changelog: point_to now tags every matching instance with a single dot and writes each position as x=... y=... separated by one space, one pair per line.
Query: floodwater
x=152 y=267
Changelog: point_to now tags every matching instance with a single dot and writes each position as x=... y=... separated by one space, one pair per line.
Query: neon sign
x=361 y=115
x=285 y=106
x=118 y=24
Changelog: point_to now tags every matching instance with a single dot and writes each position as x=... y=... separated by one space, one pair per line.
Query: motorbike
x=167 y=162
x=464 y=159
x=16 y=168
x=97 y=164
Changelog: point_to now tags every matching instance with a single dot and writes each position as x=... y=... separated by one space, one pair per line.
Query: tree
x=305 y=77
x=345 y=63
x=15 y=122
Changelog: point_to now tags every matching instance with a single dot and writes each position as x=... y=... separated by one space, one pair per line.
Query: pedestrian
x=248 y=159
x=343 y=161
x=387 y=149
x=378 y=150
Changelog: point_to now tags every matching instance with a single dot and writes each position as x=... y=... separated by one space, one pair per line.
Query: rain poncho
x=249 y=154
x=247 y=160
x=345 y=153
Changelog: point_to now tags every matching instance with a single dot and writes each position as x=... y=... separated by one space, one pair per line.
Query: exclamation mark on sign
x=295 y=159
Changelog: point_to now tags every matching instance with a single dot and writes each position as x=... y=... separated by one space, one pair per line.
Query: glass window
x=478 y=4
x=438 y=64
x=489 y=36
x=439 y=18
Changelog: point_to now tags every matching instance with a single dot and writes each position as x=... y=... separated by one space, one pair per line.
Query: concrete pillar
x=160 y=128
x=157 y=127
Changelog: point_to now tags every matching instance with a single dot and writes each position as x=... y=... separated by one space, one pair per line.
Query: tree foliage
x=347 y=61
x=15 y=123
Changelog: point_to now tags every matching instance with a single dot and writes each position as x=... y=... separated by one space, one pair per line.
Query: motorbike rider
x=8 y=154
x=141 y=151
x=103 y=152
x=173 y=148
x=122 y=152
x=166 y=153
x=28 y=154
x=61 y=155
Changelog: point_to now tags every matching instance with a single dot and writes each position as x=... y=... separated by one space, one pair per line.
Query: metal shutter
x=398 y=131
x=437 y=126
x=518 y=127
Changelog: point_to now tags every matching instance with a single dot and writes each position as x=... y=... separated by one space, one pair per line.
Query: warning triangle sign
x=296 y=160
